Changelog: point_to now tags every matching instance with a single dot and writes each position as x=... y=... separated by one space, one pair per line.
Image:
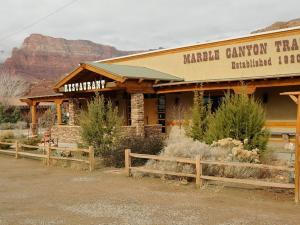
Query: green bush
x=101 y=125
x=7 y=136
x=9 y=114
x=201 y=112
x=137 y=144
x=240 y=117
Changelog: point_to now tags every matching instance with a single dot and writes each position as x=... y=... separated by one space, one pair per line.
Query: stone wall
x=71 y=134
x=66 y=134
x=137 y=112
x=153 y=130
x=74 y=111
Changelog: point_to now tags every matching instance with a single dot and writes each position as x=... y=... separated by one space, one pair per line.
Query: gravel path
x=32 y=194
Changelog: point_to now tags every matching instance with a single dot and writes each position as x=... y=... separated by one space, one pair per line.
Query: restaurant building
x=154 y=90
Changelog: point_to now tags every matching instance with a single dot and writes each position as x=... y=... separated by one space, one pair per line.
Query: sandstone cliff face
x=279 y=25
x=48 y=58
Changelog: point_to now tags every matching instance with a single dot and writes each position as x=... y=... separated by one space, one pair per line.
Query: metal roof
x=277 y=76
x=134 y=72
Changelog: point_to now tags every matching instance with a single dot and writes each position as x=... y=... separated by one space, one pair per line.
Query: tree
x=100 y=126
x=201 y=112
x=240 y=117
x=12 y=85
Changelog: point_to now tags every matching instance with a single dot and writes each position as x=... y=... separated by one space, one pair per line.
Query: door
x=150 y=111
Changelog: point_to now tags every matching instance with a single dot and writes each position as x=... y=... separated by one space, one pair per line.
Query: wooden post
x=295 y=96
x=17 y=149
x=297 y=155
x=48 y=154
x=92 y=158
x=198 y=171
x=127 y=162
x=58 y=104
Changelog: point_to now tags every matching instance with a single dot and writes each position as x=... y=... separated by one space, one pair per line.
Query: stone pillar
x=74 y=111
x=137 y=113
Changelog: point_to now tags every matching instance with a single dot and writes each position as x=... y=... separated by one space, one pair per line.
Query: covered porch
x=127 y=87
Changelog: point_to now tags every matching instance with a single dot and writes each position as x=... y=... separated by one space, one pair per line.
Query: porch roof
x=119 y=73
x=134 y=72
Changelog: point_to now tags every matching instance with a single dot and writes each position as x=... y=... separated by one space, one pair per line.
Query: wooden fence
x=16 y=150
x=198 y=175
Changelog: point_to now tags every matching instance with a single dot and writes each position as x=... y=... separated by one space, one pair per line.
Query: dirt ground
x=32 y=194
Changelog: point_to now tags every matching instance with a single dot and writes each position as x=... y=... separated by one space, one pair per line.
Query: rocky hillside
x=280 y=25
x=48 y=58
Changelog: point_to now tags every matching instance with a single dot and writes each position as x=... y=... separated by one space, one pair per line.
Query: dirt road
x=32 y=194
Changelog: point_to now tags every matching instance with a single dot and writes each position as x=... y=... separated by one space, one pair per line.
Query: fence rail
x=198 y=175
x=47 y=150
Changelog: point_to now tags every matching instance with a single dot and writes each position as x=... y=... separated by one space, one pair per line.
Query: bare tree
x=12 y=85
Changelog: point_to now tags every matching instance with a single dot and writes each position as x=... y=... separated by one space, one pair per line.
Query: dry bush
x=230 y=150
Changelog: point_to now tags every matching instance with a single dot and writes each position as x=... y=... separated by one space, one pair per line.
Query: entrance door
x=150 y=111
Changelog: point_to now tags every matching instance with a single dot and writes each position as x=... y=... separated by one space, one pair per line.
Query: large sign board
x=268 y=55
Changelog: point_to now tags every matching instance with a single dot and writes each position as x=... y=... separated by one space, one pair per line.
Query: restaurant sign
x=84 y=86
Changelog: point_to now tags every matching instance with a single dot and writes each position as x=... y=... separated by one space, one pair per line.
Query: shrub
x=137 y=144
x=9 y=114
x=197 y=127
x=100 y=126
x=31 y=141
x=11 y=126
x=21 y=125
x=179 y=145
x=239 y=117
x=7 y=136
x=7 y=126
x=47 y=120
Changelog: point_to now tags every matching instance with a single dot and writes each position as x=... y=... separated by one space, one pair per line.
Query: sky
x=138 y=24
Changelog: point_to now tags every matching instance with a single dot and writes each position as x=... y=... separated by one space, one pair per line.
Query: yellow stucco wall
x=265 y=46
x=278 y=107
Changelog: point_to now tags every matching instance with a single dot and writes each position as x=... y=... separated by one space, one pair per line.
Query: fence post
x=92 y=158
x=127 y=162
x=48 y=154
x=17 y=149
x=198 y=171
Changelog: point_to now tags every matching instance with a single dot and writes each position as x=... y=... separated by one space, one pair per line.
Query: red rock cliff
x=44 y=57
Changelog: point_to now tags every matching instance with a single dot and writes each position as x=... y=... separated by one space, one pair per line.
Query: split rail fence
x=16 y=150
x=198 y=175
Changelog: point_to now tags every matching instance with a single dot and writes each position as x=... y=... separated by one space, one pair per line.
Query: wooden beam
x=294 y=98
x=297 y=153
x=141 y=80
x=229 y=85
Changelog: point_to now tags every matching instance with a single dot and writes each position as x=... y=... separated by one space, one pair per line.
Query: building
x=154 y=89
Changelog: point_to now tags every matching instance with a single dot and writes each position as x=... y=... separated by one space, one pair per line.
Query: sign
x=84 y=86
x=242 y=56
x=256 y=56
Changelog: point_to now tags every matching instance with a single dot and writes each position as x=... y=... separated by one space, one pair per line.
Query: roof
x=134 y=72
x=118 y=73
x=228 y=80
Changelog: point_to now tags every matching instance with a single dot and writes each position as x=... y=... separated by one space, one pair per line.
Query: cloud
x=136 y=24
